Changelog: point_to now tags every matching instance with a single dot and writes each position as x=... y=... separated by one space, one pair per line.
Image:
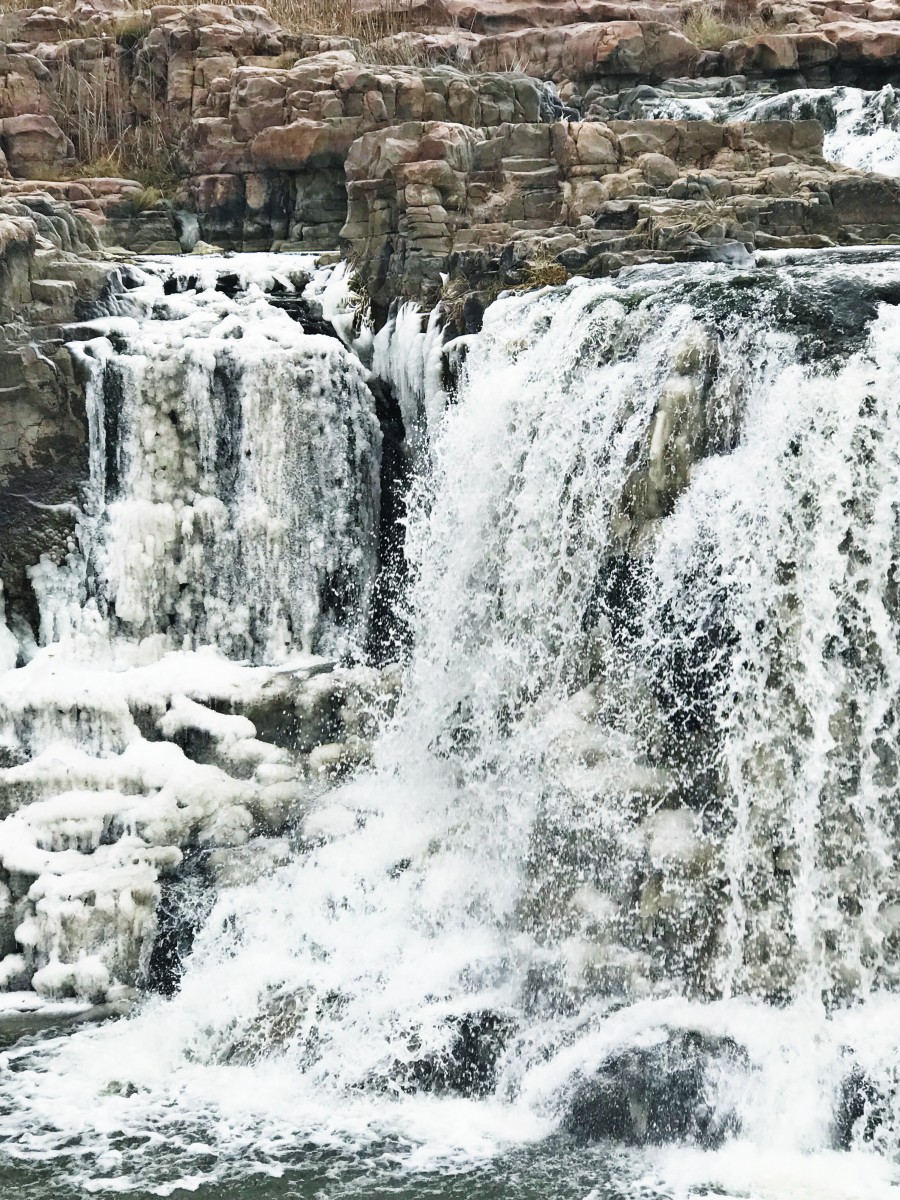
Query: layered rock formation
x=51 y=269
x=259 y=123
x=430 y=198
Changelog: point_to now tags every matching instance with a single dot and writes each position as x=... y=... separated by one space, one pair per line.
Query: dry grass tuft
x=144 y=154
x=398 y=51
x=131 y=28
x=711 y=26
x=94 y=109
x=146 y=198
x=340 y=18
x=544 y=271
x=336 y=18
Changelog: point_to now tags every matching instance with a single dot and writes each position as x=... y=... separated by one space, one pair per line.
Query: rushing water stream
x=861 y=127
x=612 y=909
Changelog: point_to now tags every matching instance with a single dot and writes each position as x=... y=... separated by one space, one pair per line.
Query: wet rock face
x=659 y=1094
x=49 y=274
x=861 y=1109
x=185 y=901
x=468 y=1067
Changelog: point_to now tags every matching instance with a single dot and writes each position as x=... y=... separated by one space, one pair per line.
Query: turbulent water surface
x=613 y=910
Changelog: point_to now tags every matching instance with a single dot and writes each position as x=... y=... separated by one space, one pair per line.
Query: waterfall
x=862 y=128
x=622 y=864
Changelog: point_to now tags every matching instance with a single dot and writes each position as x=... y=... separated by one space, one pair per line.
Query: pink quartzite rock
x=32 y=143
x=301 y=144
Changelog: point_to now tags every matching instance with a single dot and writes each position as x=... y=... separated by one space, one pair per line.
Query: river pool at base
x=555 y=1170
x=551 y=1170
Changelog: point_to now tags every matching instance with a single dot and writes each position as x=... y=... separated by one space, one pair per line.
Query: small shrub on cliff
x=360 y=303
x=544 y=271
x=711 y=26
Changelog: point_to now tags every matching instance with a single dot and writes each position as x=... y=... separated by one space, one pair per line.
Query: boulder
x=32 y=143
x=864 y=42
x=21 y=92
x=595 y=144
x=872 y=201
x=653 y=1095
x=300 y=145
x=657 y=169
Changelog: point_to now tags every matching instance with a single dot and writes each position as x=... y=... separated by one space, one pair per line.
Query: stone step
x=517 y=163
x=544 y=181
x=88 y=277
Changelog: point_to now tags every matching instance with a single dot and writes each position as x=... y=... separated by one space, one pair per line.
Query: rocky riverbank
x=433 y=150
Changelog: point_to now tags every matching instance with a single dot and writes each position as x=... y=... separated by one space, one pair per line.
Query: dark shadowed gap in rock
x=339 y=593
x=225 y=394
x=229 y=285
x=388 y=631
x=469 y=1065
x=186 y=900
x=112 y=410
x=301 y=311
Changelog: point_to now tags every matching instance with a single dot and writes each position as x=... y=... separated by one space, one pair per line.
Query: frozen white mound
x=185 y=698
x=123 y=768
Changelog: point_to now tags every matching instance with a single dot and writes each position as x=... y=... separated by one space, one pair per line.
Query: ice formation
x=230 y=519
x=221 y=433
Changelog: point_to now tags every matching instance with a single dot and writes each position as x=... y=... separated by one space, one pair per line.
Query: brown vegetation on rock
x=711 y=26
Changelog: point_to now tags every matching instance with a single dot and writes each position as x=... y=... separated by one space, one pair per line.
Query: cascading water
x=862 y=128
x=623 y=865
